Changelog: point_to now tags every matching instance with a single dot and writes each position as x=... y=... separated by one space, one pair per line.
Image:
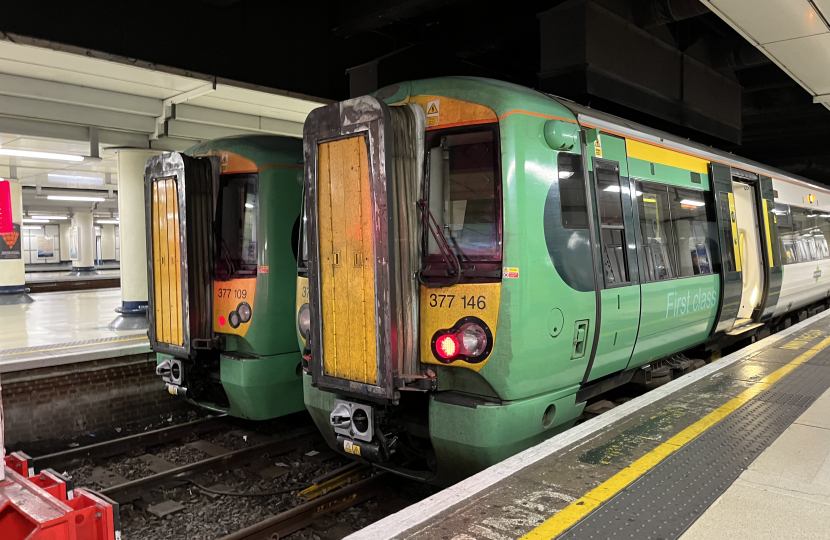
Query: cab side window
x=612 y=224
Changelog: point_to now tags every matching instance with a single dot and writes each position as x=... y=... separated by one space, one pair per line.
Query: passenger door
x=731 y=279
x=620 y=297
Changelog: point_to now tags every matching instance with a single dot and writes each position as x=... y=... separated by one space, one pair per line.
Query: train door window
x=784 y=220
x=728 y=248
x=236 y=226
x=695 y=230
x=572 y=201
x=656 y=228
x=823 y=227
x=612 y=224
x=463 y=191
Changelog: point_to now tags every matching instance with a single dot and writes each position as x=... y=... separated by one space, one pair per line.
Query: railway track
x=230 y=477
x=300 y=517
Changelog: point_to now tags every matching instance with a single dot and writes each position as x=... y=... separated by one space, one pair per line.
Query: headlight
x=304 y=321
x=244 y=310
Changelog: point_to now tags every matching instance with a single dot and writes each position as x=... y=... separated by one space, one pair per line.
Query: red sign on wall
x=6 y=226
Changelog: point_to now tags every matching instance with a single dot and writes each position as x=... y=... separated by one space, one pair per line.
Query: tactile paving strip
x=664 y=502
x=7 y=352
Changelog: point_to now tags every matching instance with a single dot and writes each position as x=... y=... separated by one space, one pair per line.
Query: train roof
x=610 y=123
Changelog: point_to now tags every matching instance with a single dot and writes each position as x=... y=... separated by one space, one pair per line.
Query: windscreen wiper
x=447 y=252
x=226 y=253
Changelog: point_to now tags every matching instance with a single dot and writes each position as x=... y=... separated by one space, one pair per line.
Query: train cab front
x=221 y=301
x=404 y=272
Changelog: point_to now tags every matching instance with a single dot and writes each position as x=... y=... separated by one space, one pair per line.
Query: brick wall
x=55 y=402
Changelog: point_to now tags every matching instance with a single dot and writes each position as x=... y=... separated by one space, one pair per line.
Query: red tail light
x=446 y=346
x=469 y=340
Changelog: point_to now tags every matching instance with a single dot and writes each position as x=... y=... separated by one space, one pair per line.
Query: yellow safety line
x=74 y=346
x=570 y=515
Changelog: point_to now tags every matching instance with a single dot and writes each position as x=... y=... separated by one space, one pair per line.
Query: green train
x=222 y=226
x=485 y=259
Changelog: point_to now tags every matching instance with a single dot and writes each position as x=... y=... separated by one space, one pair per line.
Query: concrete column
x=65 y=228
x=108 y=242
x=82 y=242
x=12 y=270
x=133 y=239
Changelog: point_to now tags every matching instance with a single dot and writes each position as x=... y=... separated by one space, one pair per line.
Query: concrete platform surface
x=565 y=478
x=64 y=327
x=785 y=493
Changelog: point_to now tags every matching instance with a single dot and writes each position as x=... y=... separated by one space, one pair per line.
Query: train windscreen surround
x=236 y=226
x=463 y=192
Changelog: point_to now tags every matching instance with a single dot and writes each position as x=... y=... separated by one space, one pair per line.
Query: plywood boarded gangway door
x=347 y=275
x=166 y=261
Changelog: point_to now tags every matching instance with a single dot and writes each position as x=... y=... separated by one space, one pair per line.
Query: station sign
x=5 y=207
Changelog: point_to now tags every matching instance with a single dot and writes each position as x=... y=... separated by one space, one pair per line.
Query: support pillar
x=132 y=231
x=82 y=245
x=66 y=235
x=12 y=270
x=108 y=243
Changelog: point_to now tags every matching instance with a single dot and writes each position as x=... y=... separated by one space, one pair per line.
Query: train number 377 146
x=467 y=302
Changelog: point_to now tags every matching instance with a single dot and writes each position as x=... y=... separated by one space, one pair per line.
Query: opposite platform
x=648 y=468
x=63 y=328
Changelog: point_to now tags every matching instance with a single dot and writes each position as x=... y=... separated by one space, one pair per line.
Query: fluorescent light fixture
x=692 y=202
x=49 y=217
x=87 y=179
x=33 y=220
x=32 y=227
x=108 y=221
x=74 y=198
x=39 y=155
x=248 y=205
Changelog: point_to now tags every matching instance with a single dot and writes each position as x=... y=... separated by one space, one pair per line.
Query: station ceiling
x=740 y=75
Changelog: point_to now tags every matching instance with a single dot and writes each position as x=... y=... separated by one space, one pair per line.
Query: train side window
x=803 y=225
x=784 y=220
x=695 y=230
x=612 y=224
x=572 y=201
x=658 y=248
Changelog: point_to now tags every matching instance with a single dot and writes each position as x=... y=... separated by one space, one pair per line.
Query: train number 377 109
x=467 y=302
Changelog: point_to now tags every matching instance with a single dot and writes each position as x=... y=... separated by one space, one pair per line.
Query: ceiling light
x=87 y=179
x=32 y=227
x=49 y=217
x=73 y=198
x=108 y=221
x=248 y=205
x=692 y=202
x=33 y=220
x=39 y=155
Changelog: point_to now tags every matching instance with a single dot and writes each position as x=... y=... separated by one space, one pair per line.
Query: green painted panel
x=618 y=332
x=526 y=359
x=467 y=440
x=262 y=388
x=665 y=174
x=675 y=314
x=613 y=149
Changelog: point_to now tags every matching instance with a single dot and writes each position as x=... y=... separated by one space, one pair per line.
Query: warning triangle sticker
x=432 y=109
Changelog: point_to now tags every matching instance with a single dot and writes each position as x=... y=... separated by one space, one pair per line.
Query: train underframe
x=443 y=437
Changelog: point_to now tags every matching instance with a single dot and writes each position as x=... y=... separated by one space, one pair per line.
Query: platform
x=63 y=328
x=736 y=449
